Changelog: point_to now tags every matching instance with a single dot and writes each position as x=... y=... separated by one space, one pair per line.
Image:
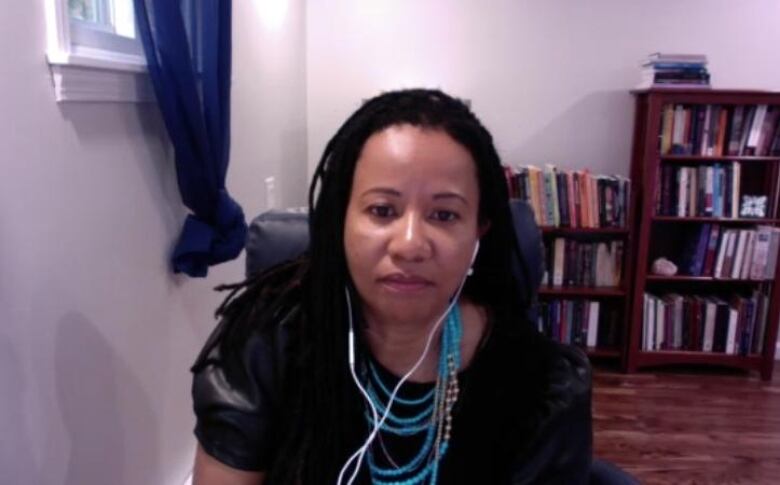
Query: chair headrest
x=274 y=237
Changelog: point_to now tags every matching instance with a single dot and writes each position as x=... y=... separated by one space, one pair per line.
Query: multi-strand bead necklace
x=428 y=418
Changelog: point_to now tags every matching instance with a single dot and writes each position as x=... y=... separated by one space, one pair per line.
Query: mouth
x=403 y=283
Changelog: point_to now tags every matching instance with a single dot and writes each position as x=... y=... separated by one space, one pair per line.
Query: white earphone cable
x=361 y=451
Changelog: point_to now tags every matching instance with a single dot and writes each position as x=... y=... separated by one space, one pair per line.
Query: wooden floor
x=686 y=427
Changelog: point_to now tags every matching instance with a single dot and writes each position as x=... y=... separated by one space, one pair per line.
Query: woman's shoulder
x=557 y=369
x=255 y=318
x=536 y=379
x=569 y=372
x=238 y=376
x=547 y=410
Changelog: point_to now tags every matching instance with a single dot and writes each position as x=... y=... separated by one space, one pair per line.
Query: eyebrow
x=395 y=193
x=450 y=195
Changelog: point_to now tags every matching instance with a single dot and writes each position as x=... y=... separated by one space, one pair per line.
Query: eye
x=445 y=216
x=381 y=211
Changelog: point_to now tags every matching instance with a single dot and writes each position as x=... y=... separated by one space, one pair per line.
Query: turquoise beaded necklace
x=429 y=416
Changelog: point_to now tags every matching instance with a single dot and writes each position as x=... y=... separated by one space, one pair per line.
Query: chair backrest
x=274 y=237
x=281 y=235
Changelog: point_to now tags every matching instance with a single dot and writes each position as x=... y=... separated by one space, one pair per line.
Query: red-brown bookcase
x=649 y=230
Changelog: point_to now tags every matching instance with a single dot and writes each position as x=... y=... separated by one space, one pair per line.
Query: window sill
x=94 y=75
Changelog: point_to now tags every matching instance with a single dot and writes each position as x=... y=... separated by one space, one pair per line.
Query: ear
x=483 y=228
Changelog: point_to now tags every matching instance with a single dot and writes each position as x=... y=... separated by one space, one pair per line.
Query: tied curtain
x=188 y=52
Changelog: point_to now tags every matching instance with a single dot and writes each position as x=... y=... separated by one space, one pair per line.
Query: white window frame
x=81 y=73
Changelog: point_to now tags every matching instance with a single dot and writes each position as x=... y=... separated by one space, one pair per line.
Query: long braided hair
x=318 y=428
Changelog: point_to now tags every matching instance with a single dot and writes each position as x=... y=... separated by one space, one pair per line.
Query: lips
x=403 y=283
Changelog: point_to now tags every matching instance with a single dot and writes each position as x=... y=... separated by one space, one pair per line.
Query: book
x=755 y=129
x=710 y=307
x=748 y=259
x=721 y=326
x=692 y=59
x=771 y=262
x=739 y=249
x=731 y=332
x=593 y=323
x=712 y=247
x=558 y=252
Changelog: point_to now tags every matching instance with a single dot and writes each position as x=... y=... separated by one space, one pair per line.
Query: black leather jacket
x=524 y=415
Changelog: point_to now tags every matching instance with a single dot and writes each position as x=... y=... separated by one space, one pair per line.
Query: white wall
x=96 y=335
x=269 y=103
x=549 y=78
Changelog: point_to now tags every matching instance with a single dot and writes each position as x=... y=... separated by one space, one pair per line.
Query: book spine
x=571 y=198
x=705 y=137
x=736 y=131
x=712 y=250
x=748 y=259
x=593 y=323
x=760 y=253
x=771 y=262
x=558 y=258
x=709 y=326
x=701 y=250
x=666 y=130
x=755 y=129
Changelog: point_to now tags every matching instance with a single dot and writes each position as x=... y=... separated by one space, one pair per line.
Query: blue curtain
x=188 y=52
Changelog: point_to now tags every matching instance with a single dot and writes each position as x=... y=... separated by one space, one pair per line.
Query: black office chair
x=278 y=236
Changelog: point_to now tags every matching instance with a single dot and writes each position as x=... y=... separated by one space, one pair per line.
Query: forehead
x=415 y=156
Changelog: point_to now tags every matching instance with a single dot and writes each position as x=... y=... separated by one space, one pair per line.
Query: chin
x=411 y=308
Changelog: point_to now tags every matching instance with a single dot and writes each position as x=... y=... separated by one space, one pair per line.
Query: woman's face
x=412 y=222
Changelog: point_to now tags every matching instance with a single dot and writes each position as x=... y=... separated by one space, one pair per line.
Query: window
x=104 y=24
x=94 y=51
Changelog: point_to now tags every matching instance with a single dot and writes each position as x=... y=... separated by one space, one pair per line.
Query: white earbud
x=473 y=259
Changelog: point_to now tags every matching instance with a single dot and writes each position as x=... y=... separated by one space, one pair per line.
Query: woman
x=396 y=350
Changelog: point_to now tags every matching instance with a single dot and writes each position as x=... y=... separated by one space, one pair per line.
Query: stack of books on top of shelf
x=579 y=322
x=570 y=198
x=716 y=130
x=675 y=71
x=715 y=251
x=702 y=191
x=705 y=323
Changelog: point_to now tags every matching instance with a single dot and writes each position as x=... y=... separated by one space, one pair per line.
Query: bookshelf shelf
x=706 y=92
x=702 y=122
x=571 y=291
x=603 y=353
x=713 y=159
x=717 y=220
x=680 y=357
x=592 y=231
x=701 y=279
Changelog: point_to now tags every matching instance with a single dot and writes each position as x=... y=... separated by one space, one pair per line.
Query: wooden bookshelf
x=760 y=173
x=600 y=208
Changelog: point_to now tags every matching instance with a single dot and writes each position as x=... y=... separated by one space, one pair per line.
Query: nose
x=410 y=241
